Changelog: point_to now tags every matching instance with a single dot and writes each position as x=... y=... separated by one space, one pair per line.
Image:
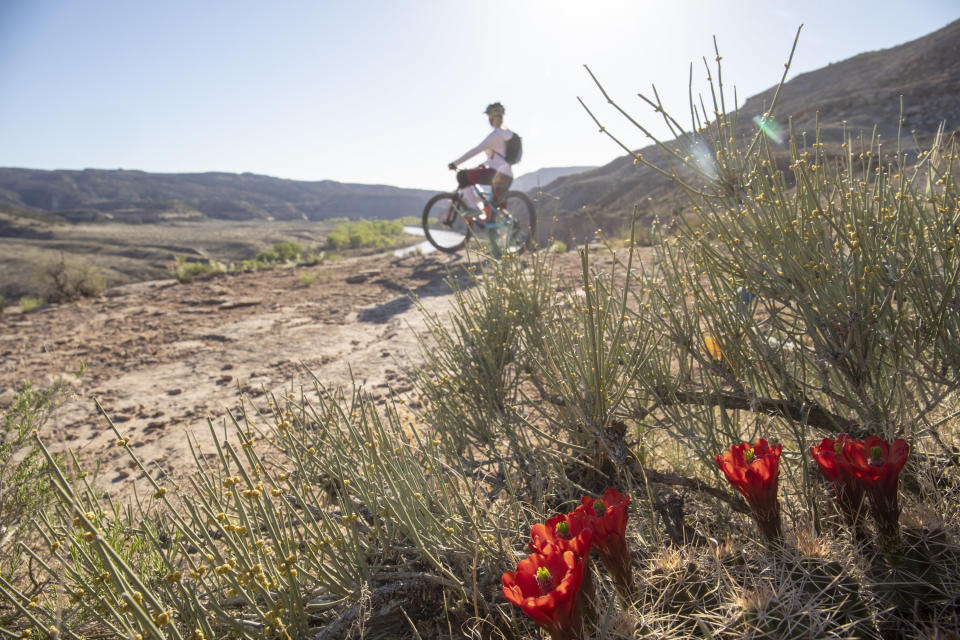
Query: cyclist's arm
x=486 y=145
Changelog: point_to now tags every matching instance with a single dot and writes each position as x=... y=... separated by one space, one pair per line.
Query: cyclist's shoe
x=450 y=217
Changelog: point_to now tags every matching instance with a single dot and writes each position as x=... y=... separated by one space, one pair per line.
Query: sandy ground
x=162 y=358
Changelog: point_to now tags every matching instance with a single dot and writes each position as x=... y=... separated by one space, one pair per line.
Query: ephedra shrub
x=823 y=296
x=812 y=292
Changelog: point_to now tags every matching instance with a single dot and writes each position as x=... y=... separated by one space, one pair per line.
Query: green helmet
x=495 y=109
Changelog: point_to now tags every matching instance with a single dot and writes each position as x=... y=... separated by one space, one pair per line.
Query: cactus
x=917 y=581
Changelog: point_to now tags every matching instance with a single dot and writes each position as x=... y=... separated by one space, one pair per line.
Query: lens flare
x=769 y=127
x=701 y=153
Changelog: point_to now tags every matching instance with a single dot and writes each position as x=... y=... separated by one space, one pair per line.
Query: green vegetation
x=186 y=271
x=25 y=488
x=365 y=234
x=28 y=303
x=805 y=301
x=345 y=236
x=281 y=253
x=307 y=279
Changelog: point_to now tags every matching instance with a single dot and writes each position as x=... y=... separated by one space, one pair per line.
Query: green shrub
x=281 y=253
x=185 y=271
x=825 y=279
x=269 y=257
x=28 y=304
x=25 y=489
x=288 y=251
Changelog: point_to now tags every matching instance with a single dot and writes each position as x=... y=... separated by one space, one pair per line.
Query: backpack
x=514 y=149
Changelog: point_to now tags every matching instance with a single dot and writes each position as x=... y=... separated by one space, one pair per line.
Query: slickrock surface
x=162 y=358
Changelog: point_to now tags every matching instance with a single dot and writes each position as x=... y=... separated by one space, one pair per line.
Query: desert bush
x=61 y=279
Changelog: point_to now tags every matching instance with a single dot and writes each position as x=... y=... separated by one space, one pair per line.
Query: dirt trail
x=163 y=358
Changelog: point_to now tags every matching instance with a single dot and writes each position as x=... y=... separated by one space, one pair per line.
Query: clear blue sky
x=384 y=92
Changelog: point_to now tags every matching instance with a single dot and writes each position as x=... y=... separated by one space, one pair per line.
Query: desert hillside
x=860 y=92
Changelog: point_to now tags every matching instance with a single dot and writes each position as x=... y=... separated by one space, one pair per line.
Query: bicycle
x=448 y=223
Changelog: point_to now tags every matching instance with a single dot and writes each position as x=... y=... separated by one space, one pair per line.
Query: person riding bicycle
x=496 y=171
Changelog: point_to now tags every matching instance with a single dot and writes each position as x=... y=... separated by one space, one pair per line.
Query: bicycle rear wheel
x=517 y=223
x=444 y=224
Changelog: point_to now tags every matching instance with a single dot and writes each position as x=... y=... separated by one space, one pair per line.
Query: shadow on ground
x=438 y=277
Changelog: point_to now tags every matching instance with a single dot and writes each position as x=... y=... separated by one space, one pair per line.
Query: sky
x=388 y=91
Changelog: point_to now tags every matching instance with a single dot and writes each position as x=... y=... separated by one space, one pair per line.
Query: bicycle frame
x=482 y=195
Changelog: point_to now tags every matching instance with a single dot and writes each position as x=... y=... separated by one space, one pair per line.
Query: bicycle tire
x=444 y=236
x=516 y=209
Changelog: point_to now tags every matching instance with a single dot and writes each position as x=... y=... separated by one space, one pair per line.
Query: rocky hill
x=862 y=91
x=94 y=195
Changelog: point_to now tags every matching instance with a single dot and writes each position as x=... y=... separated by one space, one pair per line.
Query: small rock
x=238 y=303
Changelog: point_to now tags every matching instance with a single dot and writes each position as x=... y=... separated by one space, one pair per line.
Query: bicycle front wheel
x=517 y=223
x=444 y=224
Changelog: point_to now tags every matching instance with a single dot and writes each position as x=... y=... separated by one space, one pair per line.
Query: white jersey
x=495 y=145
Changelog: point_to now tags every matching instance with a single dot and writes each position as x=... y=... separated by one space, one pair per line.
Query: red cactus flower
x=572 y=531
x=609 y=517
x=753 y=470
x=835 y=467
x=545 y=587
x=877 y=464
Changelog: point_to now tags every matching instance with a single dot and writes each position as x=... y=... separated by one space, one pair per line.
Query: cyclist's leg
x=501 y=183
x=466 y=178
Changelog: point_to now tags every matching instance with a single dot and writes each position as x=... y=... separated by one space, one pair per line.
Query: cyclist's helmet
x=495 y=109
